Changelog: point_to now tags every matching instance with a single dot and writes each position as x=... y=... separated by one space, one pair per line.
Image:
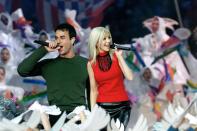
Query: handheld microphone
x=129 y=47
x=43 y=43
x=121 y=47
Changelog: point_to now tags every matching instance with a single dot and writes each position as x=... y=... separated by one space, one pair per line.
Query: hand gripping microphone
x=129 y=47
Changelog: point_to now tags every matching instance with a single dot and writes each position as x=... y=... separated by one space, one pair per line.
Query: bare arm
x=93 y=86
x=123 y=65
x=45 y=121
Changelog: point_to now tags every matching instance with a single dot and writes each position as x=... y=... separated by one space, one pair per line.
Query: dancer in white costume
x=151 y=46
x=16 y=91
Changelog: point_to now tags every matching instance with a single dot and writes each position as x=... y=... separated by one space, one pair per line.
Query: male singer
x=66 y=75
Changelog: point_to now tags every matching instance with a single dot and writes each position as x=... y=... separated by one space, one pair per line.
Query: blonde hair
x=96 y=37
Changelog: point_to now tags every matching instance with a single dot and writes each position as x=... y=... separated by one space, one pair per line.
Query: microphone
x=126 y=47
x=129 y=47
x=43 y=43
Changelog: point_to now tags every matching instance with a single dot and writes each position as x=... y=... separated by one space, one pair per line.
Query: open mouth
x=61 y=47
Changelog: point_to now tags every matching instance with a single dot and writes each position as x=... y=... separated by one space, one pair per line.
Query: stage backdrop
x=46 y=14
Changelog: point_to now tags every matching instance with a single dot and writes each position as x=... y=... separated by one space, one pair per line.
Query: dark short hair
x=4 y=48
x=67 y=27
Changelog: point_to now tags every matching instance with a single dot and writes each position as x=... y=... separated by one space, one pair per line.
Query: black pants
x=118 y=110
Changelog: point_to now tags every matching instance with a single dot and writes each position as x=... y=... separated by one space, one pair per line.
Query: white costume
x=18 y=92
x=151 y=45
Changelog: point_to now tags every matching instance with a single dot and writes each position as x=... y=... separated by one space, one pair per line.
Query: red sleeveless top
x=110 y=83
